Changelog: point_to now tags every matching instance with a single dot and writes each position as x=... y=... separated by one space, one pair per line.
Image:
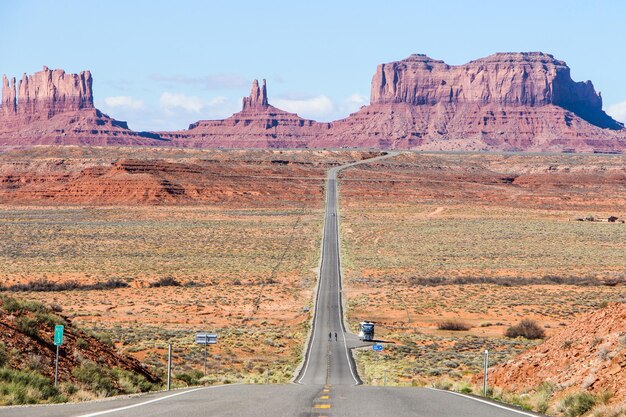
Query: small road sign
x=377 y=347
x=58 y=341
x=206 y=338
x=58 y=335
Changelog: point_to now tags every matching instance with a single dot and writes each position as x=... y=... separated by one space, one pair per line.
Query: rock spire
x=257 y=98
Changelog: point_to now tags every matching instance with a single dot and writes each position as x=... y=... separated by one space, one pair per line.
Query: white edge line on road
x=487 y=402
x=115 y=410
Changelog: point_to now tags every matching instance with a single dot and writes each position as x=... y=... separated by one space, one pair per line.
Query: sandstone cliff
x=51 y=92
x=9 y=97
x=257 y=125
x=257 y=100
x=588 y=355
x=508 y=79
x=504 y=102
x=53 y=107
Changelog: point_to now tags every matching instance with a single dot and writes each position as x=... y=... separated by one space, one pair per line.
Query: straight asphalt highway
x=327 y=383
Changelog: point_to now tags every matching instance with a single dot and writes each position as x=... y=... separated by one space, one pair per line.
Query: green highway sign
x=58 y=335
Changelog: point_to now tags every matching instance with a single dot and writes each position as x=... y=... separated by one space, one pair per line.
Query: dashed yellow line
x=324 y=397
x=325 y=390
x=321 y=406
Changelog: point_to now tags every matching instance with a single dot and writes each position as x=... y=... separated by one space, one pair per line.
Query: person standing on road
x=335 y=336
x=330 y=336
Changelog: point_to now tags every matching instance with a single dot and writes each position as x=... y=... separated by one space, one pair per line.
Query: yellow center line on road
x=321 y=406
x=324 y=397
x=325 y=390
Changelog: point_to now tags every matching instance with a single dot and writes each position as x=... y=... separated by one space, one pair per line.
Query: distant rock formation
x=257 y=125
x=505 y=102
x=257 y=99
x=53 y=107
x=51 y=92
x=508 y=79
x=9 y=97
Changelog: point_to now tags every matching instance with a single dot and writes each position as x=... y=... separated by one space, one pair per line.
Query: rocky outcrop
x=257 y=100
x=257 y=125
x=509 y=79
x=53 y=107
x=9 y=97
x=504 y=102
x=51 y=92
x=588 y=355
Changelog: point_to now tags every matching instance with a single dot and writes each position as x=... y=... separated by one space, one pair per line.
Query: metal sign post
x=58 y=341
x=485 y=373
x=206 y=339
x=169 y=366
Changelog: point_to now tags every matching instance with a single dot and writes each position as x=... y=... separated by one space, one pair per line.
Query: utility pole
x=485 y=373
x=169 y=366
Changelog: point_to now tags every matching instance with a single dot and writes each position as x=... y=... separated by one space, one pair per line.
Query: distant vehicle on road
x=366 y=331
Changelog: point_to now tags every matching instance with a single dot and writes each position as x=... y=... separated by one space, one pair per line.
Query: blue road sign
x=58 y=335
x=377 y=347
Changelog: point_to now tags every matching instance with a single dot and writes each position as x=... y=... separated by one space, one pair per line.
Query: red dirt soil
x=589 y=354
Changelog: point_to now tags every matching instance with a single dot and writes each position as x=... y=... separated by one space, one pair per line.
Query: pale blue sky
x=164 y=64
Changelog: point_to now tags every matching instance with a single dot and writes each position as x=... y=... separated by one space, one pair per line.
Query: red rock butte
x=504 y=102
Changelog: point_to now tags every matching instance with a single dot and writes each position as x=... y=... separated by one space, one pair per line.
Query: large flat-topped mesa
x=54 y=107
x=523 y=101
x=49 y=92
x=508 y=79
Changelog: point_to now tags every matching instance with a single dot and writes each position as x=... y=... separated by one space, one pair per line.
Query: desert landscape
x=478 y=243
x=234 y=250
x=468 y=206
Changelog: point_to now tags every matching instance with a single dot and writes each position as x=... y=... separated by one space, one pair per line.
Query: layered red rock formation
x=257 y=99
x=52 y=107
x=9 y=97
x=47 y=93
x=511 y=101
x=509 y=79
x=257 y=125
x=504 y=102
x=588 y=355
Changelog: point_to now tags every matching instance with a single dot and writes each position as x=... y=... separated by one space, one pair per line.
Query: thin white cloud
x=183 y=109
x=224 y=81
x=173 y=101
x=618 y=111
x=318 y=107
x=124 y=102
x=354 y=102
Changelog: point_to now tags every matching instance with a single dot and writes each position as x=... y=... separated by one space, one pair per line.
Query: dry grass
x=482 y=239
x=245 y=274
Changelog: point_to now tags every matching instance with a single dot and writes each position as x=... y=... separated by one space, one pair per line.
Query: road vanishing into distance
x=327 y=383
